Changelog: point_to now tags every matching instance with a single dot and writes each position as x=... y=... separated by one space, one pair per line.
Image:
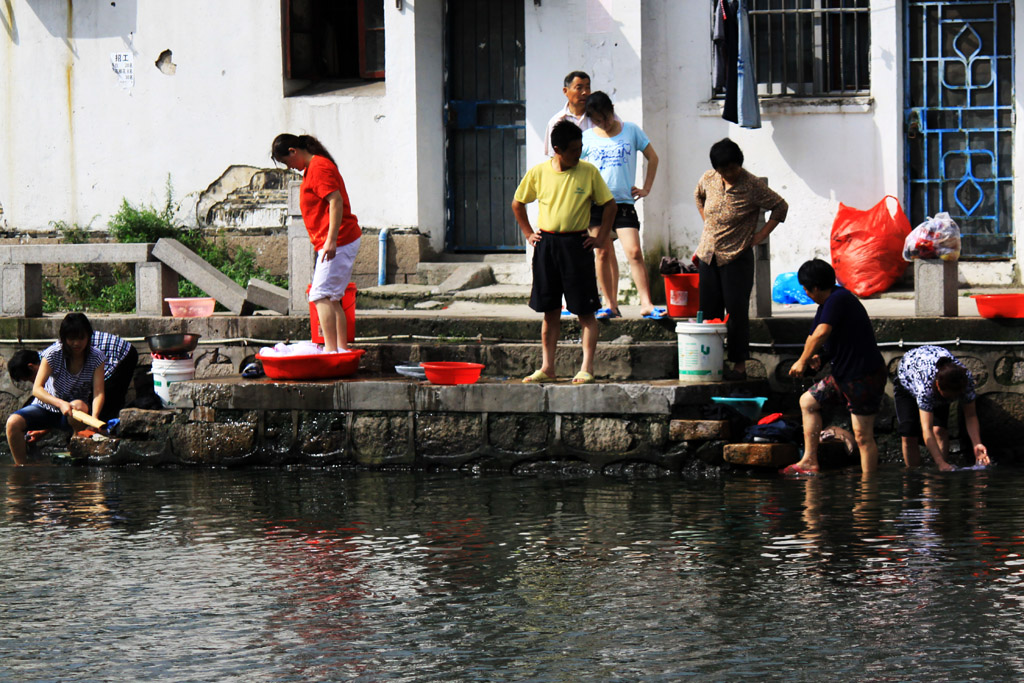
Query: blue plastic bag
x=788 y=290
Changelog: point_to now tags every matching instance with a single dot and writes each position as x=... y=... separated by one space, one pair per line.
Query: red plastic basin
x=1000 y=305
x=314 y=366
x=452 y=372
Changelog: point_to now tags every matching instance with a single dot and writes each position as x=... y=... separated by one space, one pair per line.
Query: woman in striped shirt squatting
x=70 y=377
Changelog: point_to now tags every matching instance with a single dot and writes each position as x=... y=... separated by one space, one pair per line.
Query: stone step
x=698 y=430
x=773 y=455
x=496 y=294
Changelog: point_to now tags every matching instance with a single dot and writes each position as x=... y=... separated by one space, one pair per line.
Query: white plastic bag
x=937 y=238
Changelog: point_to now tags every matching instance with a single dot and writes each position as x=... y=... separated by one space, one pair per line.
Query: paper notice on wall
x=599 y=17
x=123 y=64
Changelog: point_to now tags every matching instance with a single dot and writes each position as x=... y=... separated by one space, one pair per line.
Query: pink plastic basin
x=192 y=307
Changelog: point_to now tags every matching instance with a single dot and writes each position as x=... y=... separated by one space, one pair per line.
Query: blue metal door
x=959 y=119
x=486 y=115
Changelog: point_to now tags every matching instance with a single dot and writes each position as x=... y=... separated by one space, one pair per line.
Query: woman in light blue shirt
x=612 y=146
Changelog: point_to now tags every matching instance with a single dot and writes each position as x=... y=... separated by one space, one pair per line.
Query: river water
x=271 y=575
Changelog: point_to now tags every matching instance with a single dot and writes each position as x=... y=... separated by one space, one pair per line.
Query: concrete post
x=761 y=296
x=935 y=289
x=300 y=254
x=22 y=290
x=154 y=282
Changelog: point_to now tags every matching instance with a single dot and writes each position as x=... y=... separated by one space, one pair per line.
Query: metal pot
x=172 y=343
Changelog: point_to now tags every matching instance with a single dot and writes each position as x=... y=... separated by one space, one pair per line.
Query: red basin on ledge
x=313 y=366
x=1000 y=305
x=452 y=372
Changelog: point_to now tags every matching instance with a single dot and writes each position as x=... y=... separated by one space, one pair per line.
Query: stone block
x=494 y=397
x=214 y=364
x=448 y=435
x=87 y=448
x=154 y=282
x=22 y=294
x=1009 y=370
x=774 y=455
x=698 y=430
x=611 y=399
x=322 y=434
x=382 y=440
x=202 y=414
x=468 y=276
x=212 y=443
x=294 y=190
x=266 y=295
x=301 y=259
x=193 y=267
x=373 y=396
x=602 y=435
x=523 y=433
x=110 y=252
x=138 y=423
x=935 y=289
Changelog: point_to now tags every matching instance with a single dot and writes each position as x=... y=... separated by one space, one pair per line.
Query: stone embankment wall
x=379 y=420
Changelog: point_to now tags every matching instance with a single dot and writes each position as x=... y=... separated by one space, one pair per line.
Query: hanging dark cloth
x=748 y=107
x=720 y=56
x=726 y=14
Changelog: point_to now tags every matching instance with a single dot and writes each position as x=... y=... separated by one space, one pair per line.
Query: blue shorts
x=38 y=417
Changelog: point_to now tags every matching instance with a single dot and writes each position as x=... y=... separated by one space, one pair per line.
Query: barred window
x=810 y=48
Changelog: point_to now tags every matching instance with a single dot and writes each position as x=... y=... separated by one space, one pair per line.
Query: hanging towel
x=748 y=109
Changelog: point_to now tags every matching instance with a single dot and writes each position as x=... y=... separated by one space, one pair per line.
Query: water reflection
x=324 y=575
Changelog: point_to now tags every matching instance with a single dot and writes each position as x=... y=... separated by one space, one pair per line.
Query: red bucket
x=348 y=304
x=682 y=296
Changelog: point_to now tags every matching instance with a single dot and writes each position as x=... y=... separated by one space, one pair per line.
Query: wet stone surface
x=599 y=434
x=449 y=434
x=322 y=433
x=382 y=439
x=515 y=433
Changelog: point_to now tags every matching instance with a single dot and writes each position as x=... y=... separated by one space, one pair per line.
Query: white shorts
x=330 y=278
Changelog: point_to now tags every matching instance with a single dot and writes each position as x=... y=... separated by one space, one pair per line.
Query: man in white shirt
x=577 y=90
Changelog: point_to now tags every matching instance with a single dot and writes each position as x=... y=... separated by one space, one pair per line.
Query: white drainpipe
x=382 y=257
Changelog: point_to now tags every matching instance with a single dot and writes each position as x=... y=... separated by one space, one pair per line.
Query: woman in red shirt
x=331 y=225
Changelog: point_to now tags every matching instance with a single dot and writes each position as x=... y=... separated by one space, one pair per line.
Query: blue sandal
x=656 y=314
x=606 y=314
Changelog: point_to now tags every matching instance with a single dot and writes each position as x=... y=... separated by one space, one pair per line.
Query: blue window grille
x=959 y=119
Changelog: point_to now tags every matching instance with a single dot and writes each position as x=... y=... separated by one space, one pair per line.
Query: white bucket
x=165 y=372
x=700 y=351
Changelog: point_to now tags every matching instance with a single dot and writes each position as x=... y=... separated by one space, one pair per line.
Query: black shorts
x=562 y=266
x=625 y=216
x=908 y=414
x=862 y=396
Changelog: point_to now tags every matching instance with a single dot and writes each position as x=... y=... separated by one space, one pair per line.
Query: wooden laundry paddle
x=86 y=418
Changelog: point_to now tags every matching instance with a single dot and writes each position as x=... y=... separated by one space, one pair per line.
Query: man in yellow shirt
x=563 y=258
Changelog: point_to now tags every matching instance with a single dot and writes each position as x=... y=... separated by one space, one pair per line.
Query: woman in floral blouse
x=927 y=380
x=730 y=201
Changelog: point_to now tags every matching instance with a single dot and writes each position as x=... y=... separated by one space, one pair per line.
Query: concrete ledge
x=76 y=253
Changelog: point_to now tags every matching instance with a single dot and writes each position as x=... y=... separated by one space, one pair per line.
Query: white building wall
x=73 y=143
x=814 y=154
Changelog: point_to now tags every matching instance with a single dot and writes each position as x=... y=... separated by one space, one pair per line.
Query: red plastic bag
x=867 y=246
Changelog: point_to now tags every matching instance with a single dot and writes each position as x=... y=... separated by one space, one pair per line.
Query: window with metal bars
x=810 y=48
